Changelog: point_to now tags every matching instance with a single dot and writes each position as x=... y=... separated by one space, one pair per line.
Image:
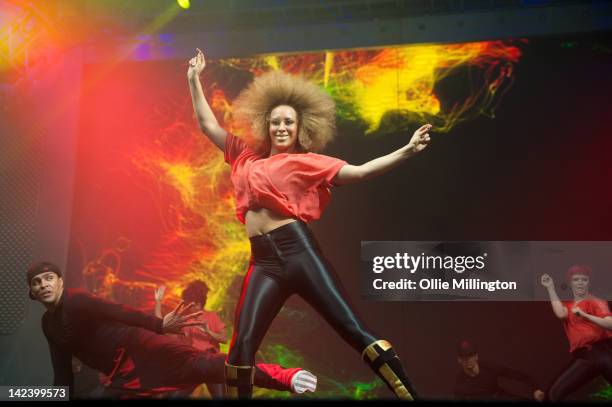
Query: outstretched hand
x=196 y=64
x=420 y=139
x=176 y=320
x=547 y=281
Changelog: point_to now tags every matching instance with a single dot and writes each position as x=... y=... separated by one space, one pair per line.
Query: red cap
x=578 y=269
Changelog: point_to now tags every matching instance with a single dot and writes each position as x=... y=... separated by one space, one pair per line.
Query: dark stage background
x=153 y=205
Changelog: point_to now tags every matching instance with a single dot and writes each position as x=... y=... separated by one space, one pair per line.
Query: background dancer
x=588 y=325
x=280 y=184
x=211 y=333
x=123 y=343
x=480 y=379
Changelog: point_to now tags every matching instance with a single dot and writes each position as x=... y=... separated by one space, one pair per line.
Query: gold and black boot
x=384 y=361
x=239 y=381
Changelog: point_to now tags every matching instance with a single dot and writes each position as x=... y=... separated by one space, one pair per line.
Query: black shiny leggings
x=288 y=261
x=586 y=364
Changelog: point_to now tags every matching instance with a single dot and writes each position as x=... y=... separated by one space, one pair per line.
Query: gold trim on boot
x=371 y=354
x=239 y=381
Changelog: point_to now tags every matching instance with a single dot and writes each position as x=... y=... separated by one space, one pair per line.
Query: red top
x=294 y=185
x=196 y=337
x=582 y=332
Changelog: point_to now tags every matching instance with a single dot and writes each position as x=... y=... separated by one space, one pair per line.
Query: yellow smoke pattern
x=202 y=238
x=403 y=79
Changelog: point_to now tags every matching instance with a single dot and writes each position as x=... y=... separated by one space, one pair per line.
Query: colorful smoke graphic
x=388 y=90
x=204 y=240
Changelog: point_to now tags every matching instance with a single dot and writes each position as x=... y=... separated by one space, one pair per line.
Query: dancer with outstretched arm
x=588 y=325
x=126 y=345
x=280 y=185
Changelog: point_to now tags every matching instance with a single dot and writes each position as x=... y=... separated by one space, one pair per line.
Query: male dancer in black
x=480 y=379
x=126 y=345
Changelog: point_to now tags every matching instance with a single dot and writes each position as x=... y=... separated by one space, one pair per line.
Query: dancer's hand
x=207 y=328
x=578 y=312
x=196 y=64
x=420 y=139
x=547 y=281
x=175 y=320
x=538 y=395
x=159 y=293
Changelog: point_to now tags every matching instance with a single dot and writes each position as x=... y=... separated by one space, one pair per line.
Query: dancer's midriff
x=260 y=221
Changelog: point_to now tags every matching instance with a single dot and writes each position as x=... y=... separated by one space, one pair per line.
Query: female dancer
x=280 y=184
x=588 y=325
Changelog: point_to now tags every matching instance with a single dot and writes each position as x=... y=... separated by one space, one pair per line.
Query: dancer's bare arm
x=558 y=308
x=220 y=337
x=159 y=296
x=603 y=322
x=354 y=173
x=206 y=119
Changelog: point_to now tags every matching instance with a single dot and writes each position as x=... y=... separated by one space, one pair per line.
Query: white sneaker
x=303 y=381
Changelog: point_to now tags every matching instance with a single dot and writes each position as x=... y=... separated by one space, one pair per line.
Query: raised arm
x=215 y=328
x=204 y=114
x=354 y=173
x=558 y=308
x=159 y=296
